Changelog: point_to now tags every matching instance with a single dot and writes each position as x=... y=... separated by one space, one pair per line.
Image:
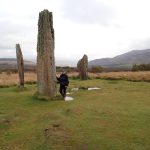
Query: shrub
x=141 y=67
x=96 y=69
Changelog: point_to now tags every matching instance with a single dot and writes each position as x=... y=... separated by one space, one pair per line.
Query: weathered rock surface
x=46 y=70
x=83 y=68
x=20 y=65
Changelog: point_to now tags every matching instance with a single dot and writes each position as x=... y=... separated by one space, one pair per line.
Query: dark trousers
x=62 y=90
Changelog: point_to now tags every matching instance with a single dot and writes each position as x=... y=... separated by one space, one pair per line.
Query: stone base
x=47 y=98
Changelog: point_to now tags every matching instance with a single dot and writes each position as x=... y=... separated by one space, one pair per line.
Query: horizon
x=67 y=62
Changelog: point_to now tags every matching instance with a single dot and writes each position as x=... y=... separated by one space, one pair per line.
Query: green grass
x=117 y=117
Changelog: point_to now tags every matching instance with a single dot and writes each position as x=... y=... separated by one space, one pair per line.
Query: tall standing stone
x=46 y=70
x=20 y=65
x=83 y=68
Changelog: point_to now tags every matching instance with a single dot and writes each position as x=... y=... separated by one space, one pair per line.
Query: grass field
x=11 y=79
x=116 y=117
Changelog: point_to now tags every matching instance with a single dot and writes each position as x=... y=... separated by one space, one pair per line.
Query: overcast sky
x=98 y=28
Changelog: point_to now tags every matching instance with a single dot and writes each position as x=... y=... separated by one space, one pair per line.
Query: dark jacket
x=63 y=80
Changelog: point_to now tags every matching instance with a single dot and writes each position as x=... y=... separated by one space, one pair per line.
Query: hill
x=11 y=64
x=125 y=60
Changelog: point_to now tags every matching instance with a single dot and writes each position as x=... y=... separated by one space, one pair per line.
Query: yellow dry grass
x=12 y=79
x=132 y=76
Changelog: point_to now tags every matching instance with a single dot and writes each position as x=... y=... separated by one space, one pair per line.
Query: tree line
x=141 y=67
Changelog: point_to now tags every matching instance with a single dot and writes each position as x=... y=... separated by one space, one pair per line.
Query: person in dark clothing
x=64 y=82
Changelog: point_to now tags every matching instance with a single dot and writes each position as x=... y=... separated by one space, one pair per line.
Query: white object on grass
x=75 y=89
x=68 y=93
x=67 y=98
x=93 y=88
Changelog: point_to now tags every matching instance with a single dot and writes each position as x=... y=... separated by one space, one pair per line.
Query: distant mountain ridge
x=125 y=60
x=11 y=64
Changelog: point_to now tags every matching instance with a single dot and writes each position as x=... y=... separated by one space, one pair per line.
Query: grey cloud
x=139 y=44
x=88 y=11
x=12 y=33
x=9 y=34
x=9 y=28
x=4 y=46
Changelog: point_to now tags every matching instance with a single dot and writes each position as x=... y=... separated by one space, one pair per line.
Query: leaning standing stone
x=20 y=65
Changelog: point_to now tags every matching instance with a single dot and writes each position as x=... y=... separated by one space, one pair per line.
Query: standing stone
x=46 y=70
x=20 y=65
x=83 y=68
